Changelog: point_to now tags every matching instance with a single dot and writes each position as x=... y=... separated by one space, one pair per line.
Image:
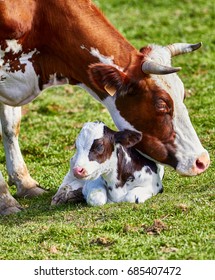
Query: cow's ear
x=128 y=138
x=107 y=78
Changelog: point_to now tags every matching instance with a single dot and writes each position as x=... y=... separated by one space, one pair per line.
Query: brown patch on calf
x=102 y=148
x=125 y=170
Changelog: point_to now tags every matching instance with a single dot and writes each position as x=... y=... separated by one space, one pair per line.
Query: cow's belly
x=17 y=89
x=19 y=83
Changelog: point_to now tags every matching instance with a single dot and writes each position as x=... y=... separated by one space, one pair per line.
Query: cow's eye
x=100 y=148
x=162 y=106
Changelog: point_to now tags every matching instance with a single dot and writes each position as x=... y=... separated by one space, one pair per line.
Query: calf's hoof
x=65 y=195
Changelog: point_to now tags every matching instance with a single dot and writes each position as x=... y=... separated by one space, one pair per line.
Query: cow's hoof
x=32 y=192
x=10 y=210
x=65 y=195
x=26 y=186
x=8 y=205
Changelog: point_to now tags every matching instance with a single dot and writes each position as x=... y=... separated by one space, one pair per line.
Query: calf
x=107 y=168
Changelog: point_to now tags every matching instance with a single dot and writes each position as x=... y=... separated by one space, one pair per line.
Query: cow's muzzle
x=199 y=165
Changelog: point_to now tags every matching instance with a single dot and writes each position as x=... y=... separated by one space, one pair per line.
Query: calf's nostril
x=79 y=171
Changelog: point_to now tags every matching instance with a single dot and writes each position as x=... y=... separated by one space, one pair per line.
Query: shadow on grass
x=38 y=209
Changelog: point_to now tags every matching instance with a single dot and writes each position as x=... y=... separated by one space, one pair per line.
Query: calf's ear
x=127 y=138
x=107 y=78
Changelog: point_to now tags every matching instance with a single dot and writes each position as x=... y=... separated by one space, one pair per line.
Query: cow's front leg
x=8 y=204
x=16 y=167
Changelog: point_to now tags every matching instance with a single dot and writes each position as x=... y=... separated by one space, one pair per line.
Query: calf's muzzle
x=79 y=172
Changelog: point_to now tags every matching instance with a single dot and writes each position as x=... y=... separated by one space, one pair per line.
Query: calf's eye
x=100 y=148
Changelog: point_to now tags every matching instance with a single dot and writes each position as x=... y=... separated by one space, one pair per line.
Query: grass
x=179 y=224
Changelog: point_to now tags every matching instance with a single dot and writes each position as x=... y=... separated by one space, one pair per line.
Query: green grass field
x=178 y=224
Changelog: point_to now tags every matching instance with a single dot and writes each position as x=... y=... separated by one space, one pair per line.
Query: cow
x=73 y=39
x=109 y=169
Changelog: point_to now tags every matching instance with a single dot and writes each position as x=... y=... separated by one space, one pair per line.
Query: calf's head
x=149 y=96
x=95 y=146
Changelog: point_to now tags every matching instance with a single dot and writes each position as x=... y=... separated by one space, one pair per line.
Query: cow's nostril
x=200 y=165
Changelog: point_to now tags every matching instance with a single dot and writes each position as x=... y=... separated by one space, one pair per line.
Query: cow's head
x=96 y=153
x=149 y=95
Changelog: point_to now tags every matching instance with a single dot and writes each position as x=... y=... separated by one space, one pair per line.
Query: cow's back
x=16 y=18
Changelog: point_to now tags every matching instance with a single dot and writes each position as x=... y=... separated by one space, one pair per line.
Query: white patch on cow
x=13 y=45
x=1 y=60
x=108 y=60
x=109 y=103
x=102 y=58
x=188 y=146
x=2 y=54
x=119 y=121
x=18 y=87
x=90 y=91
x=10 y=120
x=160 y=55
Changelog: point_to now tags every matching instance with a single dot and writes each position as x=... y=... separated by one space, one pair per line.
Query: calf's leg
x=95 y=192
x=139 y=194
x=16 y=167
x=70 y=190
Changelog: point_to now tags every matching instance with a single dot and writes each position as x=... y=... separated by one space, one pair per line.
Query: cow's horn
x=150 y=67
x=180 y=48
